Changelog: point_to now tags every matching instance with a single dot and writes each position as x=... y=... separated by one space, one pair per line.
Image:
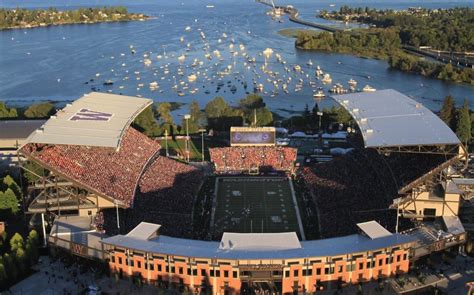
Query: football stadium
x=251 y=219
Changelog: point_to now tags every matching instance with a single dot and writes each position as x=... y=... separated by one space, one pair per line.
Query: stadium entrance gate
x=261 y=279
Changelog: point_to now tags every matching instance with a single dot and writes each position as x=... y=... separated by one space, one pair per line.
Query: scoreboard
x=252 y=136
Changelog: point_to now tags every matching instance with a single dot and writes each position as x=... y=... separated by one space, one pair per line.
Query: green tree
x=217 y=107
x=10 y=266
x=221 y=116
x=8 y=201
x=146 y=123
x=196 y=121
x=6 y=112
x=33 y=171
x=164 y=113
x=10 y=183
x=40 y=110
x=472 y=125
x=264 y=117
x=3 y=276
x=342 y=115
x=463 y=130
x=254 y=108
x=16 y=242
x=448 y=111
x=32 y=247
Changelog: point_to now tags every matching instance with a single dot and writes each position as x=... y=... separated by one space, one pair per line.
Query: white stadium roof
x=373 y=229
x=388 y=118
x=259 y=241
x=96 y=119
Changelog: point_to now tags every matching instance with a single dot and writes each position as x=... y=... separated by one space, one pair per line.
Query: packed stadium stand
x=265 y=158
x=164 y=196
x=361 y=185
x=104 y=170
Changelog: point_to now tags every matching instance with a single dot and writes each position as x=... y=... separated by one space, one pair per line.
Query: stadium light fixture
x=166 y=142
x=320 y=114
x=202 y=130
x=187 y=117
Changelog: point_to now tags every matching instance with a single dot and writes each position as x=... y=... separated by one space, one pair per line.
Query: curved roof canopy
x=96 y=119
x=388 y=118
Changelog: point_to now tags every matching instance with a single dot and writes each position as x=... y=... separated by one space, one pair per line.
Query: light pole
x=320 y=114
x=166 y=142
x=202 y=143
x=187 y=117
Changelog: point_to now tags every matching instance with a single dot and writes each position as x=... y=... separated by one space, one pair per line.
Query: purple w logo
x=89 y=115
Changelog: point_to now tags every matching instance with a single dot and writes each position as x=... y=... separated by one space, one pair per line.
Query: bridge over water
x=293 y=16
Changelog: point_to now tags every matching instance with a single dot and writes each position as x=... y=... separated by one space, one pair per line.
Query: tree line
x=217 y=115
x=454 y=32
x=17 y=253
x=442 y=29
x=20 y=18
x=460 y=120
x=41 y=110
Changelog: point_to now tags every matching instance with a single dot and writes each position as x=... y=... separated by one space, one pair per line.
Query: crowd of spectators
x=263 y=158
x=165 y=196
x=361 y=185
x=111 y=172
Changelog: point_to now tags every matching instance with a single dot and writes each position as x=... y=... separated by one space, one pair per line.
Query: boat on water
x=192 y=78
x=188 y=28
x=181 y=58
x=310 y=63
x=153 y=86
x=108 y=83
x=319 y=72
x=209 y=6
x=327 y=79
x=368 y=88
x=352 y=83
x=319 y=94
x=338 y=89
x=297 y=68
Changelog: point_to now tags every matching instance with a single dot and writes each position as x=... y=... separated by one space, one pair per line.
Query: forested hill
x=26 y=18
x=442 y=29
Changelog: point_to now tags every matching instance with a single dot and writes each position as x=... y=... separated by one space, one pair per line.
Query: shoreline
x=145 y=18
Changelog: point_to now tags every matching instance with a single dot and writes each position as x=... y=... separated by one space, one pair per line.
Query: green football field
x=254 y=204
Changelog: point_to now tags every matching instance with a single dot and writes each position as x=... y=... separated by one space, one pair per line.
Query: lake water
x=57 y=63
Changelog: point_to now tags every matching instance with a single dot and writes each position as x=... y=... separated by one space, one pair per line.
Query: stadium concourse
x=114 y=198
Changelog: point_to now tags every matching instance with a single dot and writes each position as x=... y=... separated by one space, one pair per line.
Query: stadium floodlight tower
x=392 y=123
x=187 y=117
x=202 y=130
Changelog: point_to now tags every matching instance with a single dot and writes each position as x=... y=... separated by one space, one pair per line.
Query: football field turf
x=254 y=204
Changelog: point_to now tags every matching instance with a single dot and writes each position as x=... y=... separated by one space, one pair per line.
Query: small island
x=411 y=40
x=25 y=18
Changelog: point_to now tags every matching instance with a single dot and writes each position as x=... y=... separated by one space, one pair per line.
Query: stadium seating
x=165 y=196
x=361 y=185
x=265 y=158
x=113 y=173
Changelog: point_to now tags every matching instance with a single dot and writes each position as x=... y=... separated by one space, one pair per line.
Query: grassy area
x=178 y=147
x=254 y=204
x=293 y=33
